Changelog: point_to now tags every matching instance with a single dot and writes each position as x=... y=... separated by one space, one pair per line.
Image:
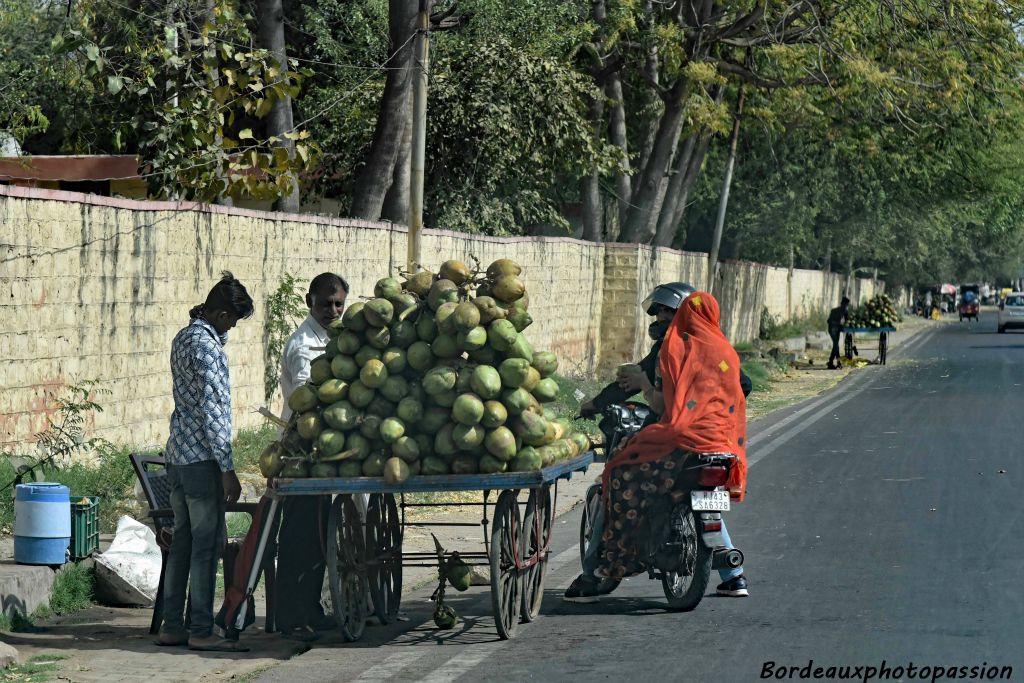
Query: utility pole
x=723 y=201
x=419 y=135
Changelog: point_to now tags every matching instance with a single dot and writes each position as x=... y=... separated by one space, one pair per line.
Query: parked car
x=1011 y=312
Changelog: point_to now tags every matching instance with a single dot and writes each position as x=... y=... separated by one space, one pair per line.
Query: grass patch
x=72 y=589
x=238 y=523
x=773 y=328
x=567 y=406
x=248 y=445
x=37 y=669
x=18 y=623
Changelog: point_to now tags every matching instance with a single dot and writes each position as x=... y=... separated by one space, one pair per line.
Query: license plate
x=709 y=500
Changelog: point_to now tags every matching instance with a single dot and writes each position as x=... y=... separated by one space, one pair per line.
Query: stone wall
x=95 y=287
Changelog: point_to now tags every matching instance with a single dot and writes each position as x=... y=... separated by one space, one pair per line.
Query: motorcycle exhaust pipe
x=727 y=558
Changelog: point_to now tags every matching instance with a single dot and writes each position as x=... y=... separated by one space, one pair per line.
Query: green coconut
x=333 y=390
x=360 y=395
x=426 y=326
x=532 y=377
x=507 y=288
x=309 y=425
x=379 y=312
x=378 y=337
x=526 y=460
x=501 y=334
x=409 y=410
x=391 y=429
x=445 y=399
x=501 y=443
x=348 y=342
x=442 y=291
x=294 y=468
x=373 y=373
x=473 y=340
x=350 y=468
x=502 y=267
x=419 y=356
x=344 y=368
x=445 y=346
x=513 y=372
x=520 y=348
x=373 y=466
x=353 y=318
x=484 y=356
x=468 y=409
x=320 y=370
x=465 y=317
x=519 y=317
x=439 y=379
x=419 y=283
x=335 y=328
x=404 y=305
x=425 y=443
x=330 y=442
x=468 y=437
x=406 y=448
x=444 y=442
x=433 y=466
x=491 y=465
x=395 y=388
x=355 y=441
x=387 y=287
x=271 y=460
x=456 y=271
x=303 y=399
x=486 y=382
x=369 y=427
x=367 y=353
x=546 y=390
x=341 y=416
x=381 y=407
x=531 y=428
x=545 y=362
x=403 y=334
x=495 y=414
x=434 y=418
x=489 y=309
x=394 y=360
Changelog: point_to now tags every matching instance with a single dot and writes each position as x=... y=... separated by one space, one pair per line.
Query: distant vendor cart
x=883 y=341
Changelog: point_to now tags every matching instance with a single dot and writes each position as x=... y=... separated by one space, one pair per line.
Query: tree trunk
x=650 y=128
x=592 y=214
x=723 y=202
x=692 y=173
x=643 y=215
x=374 y=179
x=270 y=29
x=396 y=202
x=617 y=133
x=666 y=227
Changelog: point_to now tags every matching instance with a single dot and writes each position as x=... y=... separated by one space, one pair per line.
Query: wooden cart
x=883 y=341
x=365 y=557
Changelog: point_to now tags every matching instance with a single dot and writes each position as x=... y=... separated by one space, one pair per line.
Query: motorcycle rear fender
x=712 y=539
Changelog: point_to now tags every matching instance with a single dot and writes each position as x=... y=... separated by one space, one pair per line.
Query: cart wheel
x=506 y=578
x=384 y=545
x=346 y=551
x=536 y=537
x=849 y=345
x=883 y=346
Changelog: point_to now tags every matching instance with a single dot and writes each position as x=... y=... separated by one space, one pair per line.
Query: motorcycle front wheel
x=685 y=588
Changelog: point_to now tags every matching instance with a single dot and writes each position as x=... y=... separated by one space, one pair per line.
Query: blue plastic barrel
x=42 y=523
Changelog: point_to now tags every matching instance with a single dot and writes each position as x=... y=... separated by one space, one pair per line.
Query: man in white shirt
x=300 y=560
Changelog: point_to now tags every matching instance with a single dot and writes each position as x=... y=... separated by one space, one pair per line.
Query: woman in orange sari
x=704 y=412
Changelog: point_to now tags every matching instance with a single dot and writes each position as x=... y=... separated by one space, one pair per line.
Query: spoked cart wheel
x=883 y=345
x=505 y=552
x=536 y=539
x=384 y=553
x=346 y=553
x=849 y=345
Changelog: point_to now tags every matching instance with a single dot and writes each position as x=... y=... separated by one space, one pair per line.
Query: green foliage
x=760 y=374
x=285 y=309
x=36 y=670
x=72 y=589
x=248 y=444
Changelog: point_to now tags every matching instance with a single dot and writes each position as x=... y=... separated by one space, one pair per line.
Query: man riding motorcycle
x=662 y=303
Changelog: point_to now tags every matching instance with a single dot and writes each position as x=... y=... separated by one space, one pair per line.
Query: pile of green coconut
x=432 y=376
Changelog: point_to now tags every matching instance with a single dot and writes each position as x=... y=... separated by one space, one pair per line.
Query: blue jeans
x=593 y=555
x=197 y=498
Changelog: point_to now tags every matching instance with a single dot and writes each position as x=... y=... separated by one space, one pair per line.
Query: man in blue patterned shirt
x=199 y=465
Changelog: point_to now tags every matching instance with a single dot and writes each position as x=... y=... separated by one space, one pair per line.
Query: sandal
x=216 y=645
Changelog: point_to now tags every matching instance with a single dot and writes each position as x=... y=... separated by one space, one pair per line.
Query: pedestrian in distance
x=200 y=466
x=300 y=558
x=836 y=319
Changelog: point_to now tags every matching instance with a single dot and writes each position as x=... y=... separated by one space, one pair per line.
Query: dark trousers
x=197 y=498
x=834 y=332
x=300 y=561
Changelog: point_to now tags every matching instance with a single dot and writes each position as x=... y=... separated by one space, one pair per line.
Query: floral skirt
x=634 y=489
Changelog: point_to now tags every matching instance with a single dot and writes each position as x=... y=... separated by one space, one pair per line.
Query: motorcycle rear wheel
x=684 y=590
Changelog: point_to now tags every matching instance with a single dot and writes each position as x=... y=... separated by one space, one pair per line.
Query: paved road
x=884 y=523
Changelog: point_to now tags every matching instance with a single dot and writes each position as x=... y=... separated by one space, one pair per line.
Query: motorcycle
x=681 y=533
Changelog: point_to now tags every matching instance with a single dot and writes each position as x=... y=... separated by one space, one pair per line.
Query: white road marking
x=461 y=664
x=390 y=667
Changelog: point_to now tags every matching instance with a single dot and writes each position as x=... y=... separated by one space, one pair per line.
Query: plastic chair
x=152 y=473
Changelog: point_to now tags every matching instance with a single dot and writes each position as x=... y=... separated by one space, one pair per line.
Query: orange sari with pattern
x=705 y=411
